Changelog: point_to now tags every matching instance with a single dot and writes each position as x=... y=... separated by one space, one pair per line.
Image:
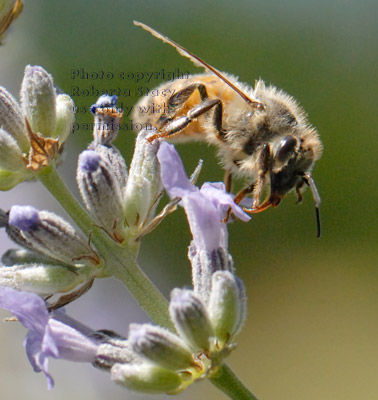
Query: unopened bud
x=191 y=319
x=227 y=305
x=38 y=100
x=40 y=279
x=9 y=179
x=101 y=193
x=146 y=377
x=114 y=158
x=204 y=265
x=23 y=256
x=160 y=346
x=51 y=235
x=65 y=117
x=144 y=184
x=114 y=349
x=10 y=153
x=12 y=120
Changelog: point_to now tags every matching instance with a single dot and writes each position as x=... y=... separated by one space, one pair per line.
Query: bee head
x=292 y=160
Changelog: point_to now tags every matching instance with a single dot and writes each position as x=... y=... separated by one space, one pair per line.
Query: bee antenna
x=200 y=63
x=315 y=194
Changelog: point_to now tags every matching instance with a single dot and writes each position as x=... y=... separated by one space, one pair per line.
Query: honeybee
x=261 y=133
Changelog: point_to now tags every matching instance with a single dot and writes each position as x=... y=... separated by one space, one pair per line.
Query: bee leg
x=170 y=126
x=237 y=199
x=176 y=126
x=228 y=181
x=265 y=161
x=174 y=103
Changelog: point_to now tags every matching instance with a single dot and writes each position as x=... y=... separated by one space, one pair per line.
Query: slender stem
x=55 y=185
x=122 y=266
x=230 y=384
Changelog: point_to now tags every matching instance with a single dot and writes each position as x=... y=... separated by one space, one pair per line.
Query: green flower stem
x=229 y=383
x=120 y=262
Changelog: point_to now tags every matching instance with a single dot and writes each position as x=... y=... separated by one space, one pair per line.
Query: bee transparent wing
x=199 y=63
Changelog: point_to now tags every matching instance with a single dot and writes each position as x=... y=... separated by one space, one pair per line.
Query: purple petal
x=38 y=359
x=29 y=308
x=47 y=336
x=24 y=217
x=70 y=343
x=173 y=174
x=216 y=192
x=204 y=221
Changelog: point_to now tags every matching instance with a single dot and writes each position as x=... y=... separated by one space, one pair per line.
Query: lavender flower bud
x=101 y=193
x=9 y=179
x=107 y=119
x=113 y=157
x=38 y=100
x=13 y=232
x=12 y=120
x=191 y=319
x=51 y=235
x=204 y=265
x=160 y=346
x=40 y=279
x=10 y=153
x=65 y=117
x=114 y=349
x=227 y=305
x=144 y=184
x=23 y=256
x=146 y=377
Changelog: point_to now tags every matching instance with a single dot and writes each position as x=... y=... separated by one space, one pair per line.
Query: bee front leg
x=265 y=162
x=228 y=181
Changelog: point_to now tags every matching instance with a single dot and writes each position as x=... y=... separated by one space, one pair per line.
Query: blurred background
x=312 y=329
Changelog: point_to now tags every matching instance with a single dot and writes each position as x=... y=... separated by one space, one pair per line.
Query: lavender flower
x=56 y=336
x=122 y=203
x=205 y=208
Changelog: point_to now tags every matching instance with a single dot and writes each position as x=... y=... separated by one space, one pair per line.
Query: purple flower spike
x=89 y=161
x=205 y=208
x=56 y=336
x=25 y=218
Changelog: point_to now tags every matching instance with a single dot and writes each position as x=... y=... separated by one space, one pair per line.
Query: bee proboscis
x=261 y=133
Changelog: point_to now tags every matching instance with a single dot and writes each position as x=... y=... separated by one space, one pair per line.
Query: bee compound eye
x=286 y=148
